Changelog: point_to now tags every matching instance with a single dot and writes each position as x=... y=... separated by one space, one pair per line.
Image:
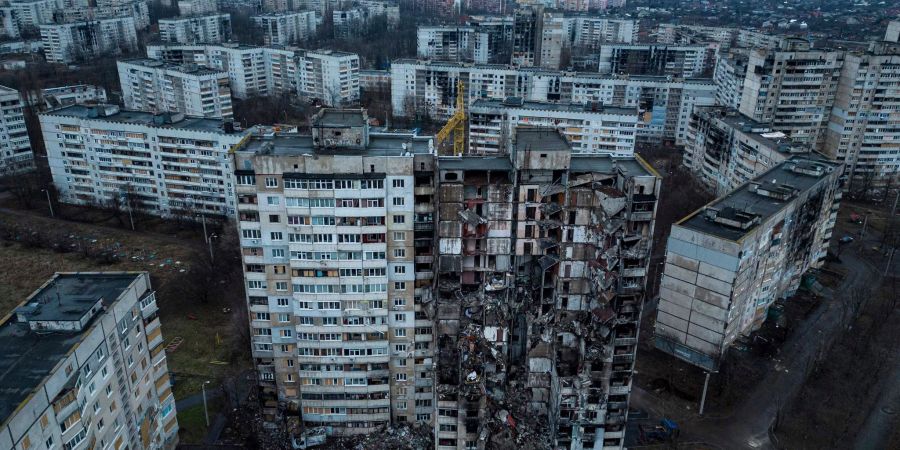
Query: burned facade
x=542 y=262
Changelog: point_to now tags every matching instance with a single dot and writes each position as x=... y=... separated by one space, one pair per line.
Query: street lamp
x=205 y=236
x=49 y=203
x=209 y=243
x=205 y=411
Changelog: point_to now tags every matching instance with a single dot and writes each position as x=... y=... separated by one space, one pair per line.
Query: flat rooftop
x=187 y=69
x=540 y=138
x=380 y=144
x=769 y=138
x=579 y=163
x=142 y=118
x=331 y=118
x=28 y=357
x=744 y=199
x=519 y=103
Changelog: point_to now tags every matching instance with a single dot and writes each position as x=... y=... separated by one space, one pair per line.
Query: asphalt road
x=747 y=426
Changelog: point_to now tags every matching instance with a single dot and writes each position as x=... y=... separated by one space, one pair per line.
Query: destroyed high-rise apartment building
x=496 y=298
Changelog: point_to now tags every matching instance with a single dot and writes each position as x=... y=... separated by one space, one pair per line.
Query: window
x=399 y=235
x=251 y=234
x=343 y=184
x=306 y=320
x=256 y=284
x=399 y=332
x=398 y=183
x=276 y=235
x=399 y=253
x=278 y=253
x=399 y=218
x=329 y=321
x=262 y=316
x=401 y=404
x=274 y=218
x=273 y=200
x=423 y=417
x=399 y=317
x=371 y=184
x=283 y=302
x=108 y=390
x=284 y=317
x=400 y=348
x=398 y=201
x=399 y=302
x=281 y=285
x=286 y=333
x=246 y=180
x=271 y=182
x=399 y=285
x=399 y=270
x=401 y=377
x=262 y=331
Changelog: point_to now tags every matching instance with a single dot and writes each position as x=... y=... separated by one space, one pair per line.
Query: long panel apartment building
x=689 y=61
x=330 y=76
x=71 y=42
x=664 y=103
x=725 y=149
x=16 y=154
x=589 y=128
x=337 y=234
x=728 y=262
x=155 y=86
x=286 y=27
x=207 y=29
x=163 y=164
x=84 y=365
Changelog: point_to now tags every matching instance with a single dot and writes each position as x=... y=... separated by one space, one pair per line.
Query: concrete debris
x=393 y=437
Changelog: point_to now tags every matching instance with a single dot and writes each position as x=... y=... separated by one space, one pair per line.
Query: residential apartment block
x=589 y=128
x=688 y=61
x=729 y=76
x=725 y=149
x=351 y=20
x=664 y=103
x=197 y=7
x=15 y=146
x=792 y=89
x=86 y=11
x=448 y=43
x=330 y=76
x=287 y=27
x=337 y=240
x=726 y=37
x=84 y=365
x=541 y=261
x=863 y=127
x=386 y=284
x=71 y=42
x=207 y=29
x=155 y=86
x=165 y=164
x=728 y=262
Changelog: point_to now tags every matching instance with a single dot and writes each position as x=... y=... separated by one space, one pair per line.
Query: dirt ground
x=33 y=247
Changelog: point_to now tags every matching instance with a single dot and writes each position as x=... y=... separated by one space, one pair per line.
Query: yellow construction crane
x=456 y=124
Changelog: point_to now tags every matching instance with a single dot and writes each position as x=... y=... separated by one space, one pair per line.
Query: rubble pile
x=393 y=437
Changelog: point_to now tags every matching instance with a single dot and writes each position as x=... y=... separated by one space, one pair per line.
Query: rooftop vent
x=810 y=168
x=774 y=190
x=732 y=218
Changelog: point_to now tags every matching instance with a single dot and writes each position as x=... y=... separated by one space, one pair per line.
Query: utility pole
x=50 y=204
x=862 y=232
x=703 y=398
x=205 y=236
x=205 y=410
x=209 y=243
x=887 y=267
x=130 y=216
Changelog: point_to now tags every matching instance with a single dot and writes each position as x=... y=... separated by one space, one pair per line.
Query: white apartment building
x=726 y=37
x=728 y=262
x=139 y=10
x=589 y=128
x=863 y=129
x=197 y=7
x=287 y=27
x=85 y=365
x=652 y=59
x=664 y=103
x=156 y=86
x=207 y=29
x=165 y=164
x=592 y=31
x=69 y=95
x=725 y=149
x=328 y=75
x=448 y=43
x=31 y=14
x=71 y=42
x=729 y=76
x=793 y=89
x=331 y=76
x=375 y=80
x=15 y=146
x=328 y=226
x=350 y=22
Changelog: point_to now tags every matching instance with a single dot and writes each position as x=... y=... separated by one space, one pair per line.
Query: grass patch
x=192 y=427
